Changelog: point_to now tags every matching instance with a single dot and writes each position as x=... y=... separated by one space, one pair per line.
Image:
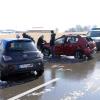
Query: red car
x=76 y=46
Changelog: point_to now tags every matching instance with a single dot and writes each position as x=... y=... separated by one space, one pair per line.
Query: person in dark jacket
x=40 y=42
x=52 y=42
x=27 y=36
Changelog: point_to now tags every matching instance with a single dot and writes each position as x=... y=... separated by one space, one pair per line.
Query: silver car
x=95 y=35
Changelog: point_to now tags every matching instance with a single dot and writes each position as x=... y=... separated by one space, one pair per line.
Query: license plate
x=26 y=65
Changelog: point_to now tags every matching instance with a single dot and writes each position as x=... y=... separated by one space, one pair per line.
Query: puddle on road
x=64 y=59
x=74 y=95
x=60 y=67
x=93 y=82
x=91 y=87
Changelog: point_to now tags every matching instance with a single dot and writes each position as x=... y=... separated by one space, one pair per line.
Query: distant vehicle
x=9 y=31
x=71 y=45
x=20 y=56
x=95 y=35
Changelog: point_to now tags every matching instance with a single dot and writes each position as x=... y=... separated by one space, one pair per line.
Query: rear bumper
x=15 y=68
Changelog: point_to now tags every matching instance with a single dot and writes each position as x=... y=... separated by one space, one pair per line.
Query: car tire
x=90 y=57
x=46 y=52
x=78 y=54
x=40 y=72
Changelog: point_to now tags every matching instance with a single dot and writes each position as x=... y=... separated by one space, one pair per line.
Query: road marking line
x=33 y=89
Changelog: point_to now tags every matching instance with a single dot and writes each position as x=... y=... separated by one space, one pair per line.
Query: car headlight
x=7 y=58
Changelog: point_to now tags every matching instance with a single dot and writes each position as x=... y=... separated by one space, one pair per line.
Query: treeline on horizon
x=79 y=28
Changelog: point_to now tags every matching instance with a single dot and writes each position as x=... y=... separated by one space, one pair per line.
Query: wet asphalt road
x=68 y=79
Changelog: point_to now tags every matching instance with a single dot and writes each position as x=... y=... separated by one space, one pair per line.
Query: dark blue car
x=20 y=56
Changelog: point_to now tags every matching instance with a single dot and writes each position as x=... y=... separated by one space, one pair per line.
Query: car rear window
x=21 y=46
x=88 y=39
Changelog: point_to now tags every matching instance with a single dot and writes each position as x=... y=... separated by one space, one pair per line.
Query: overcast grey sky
x=62 y=14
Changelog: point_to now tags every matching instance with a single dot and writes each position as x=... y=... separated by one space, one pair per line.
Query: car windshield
x=94 y=33
x=21 y=46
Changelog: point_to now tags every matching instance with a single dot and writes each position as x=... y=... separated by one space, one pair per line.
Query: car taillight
x=7 y=58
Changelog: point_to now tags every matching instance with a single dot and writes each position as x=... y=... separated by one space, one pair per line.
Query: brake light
x=7 y=58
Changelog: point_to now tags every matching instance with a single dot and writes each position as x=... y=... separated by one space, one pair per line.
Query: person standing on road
x=27 y=36
x=52 y=42
x=40 y=43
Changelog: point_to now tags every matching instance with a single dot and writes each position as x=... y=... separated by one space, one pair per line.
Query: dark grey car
x=20 y=56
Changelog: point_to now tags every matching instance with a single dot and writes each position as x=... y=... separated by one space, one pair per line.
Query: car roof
x=15 y=39
x=73 y=35
x=95 y=29
x=5 y=41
